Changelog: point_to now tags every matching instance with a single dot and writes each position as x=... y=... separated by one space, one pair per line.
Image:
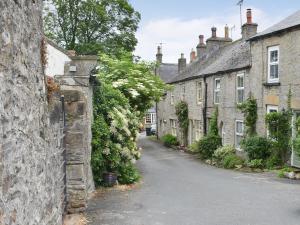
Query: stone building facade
x=225 y=73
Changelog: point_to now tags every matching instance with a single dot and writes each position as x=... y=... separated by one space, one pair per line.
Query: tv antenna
x=240 y=3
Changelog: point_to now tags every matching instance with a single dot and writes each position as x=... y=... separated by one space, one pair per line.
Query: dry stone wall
x=31 y=166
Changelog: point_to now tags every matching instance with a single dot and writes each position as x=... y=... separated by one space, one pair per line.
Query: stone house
x=223 y=73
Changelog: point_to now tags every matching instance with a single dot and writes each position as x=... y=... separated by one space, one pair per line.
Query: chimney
x=226 y=32
x=213 y=32
x=159 y=55
x=249 y=16
x=193 y=55
x=71 y=53
x=249 y=29
x=201 y=47
x=181 y=63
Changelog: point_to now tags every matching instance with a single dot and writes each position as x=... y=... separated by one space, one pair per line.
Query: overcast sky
x=178 y=24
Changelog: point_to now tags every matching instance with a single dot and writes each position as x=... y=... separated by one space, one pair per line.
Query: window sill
x=272 y=84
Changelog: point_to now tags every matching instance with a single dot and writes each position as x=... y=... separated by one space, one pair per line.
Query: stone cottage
x=223 y=73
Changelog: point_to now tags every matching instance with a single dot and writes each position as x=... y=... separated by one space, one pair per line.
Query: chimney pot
x=226 y=32
x=249 y=16
x=201 y=39
x=181 y=63
x=193 y=55
x=214 y=32
x=159 y=55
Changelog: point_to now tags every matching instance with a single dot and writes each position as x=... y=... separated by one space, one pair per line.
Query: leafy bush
x=257 y=147
x=283 y=171
x=296 y=145
x=221 y=152
x=256 y=163
x=128 y=174
x=193 y=148
x=231 y=161
x=279 y=125
x=273 y=161
x=207 y=146
x=169 y=140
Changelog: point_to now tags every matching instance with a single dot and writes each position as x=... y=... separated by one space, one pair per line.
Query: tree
x=90 y=26
x=134 y=78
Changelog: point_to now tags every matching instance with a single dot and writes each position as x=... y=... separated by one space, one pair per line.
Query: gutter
x=211 y=74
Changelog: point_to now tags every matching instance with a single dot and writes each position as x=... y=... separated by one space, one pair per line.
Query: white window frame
x=271 y=49
x=271 y=108
x=182 y=87
x=240 y=88
x=173 y=125
x=198 y=133
x=172 y=98
x=217 y=90
x=199 y=92
x=238 y=134
x=150 y=118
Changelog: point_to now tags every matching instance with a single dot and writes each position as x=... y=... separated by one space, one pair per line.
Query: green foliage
x=222 y=152
x=257 y=147
x=133 y=78
x=90 y=26
x=213 y=126
x=207 y=146
x=256 y=163
x=193 y=148
x=279 y=126
x=127 y=90
x=169 y=140
x=182 y=113
x=231 y=161
x=284 y=170
x=296 y=145
x=296 y=141
x=249 y=109
x=273 y=161
x=128 y=173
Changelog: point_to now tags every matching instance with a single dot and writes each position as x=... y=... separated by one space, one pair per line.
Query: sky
x=177 y=24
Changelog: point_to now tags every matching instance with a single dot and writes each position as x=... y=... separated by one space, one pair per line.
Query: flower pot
x=109 y=179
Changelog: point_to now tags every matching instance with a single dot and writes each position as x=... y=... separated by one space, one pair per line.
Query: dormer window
x=273 y=64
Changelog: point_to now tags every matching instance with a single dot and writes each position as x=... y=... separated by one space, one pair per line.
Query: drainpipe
x=204 y=112
x=156 y=111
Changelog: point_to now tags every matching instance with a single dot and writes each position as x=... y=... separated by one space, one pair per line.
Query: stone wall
x=31 y=174
x=77 y=91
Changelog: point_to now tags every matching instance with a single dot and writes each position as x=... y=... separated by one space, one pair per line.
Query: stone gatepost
x=78 y=96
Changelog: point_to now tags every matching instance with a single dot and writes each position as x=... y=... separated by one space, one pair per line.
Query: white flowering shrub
x=127 y=90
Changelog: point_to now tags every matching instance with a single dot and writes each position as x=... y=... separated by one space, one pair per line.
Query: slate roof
x=292 y=21
x=167 y=71
x=232 y=57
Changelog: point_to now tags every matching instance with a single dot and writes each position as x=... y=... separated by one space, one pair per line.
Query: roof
x=232 y=57
x=167 y=71
x=290 y=22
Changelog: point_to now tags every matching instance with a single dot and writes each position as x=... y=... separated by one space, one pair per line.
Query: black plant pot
x=109 y=179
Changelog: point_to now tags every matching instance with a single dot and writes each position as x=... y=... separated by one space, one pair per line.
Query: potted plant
x=112 y=161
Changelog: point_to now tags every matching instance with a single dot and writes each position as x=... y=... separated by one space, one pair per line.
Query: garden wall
x=31 y=162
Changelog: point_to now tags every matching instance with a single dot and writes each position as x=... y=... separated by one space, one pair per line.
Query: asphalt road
x=178 y=189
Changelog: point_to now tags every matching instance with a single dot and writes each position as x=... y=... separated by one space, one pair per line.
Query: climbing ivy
x=182 y=113
x=279 y=126
x=249 y=109
x=213 y=126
